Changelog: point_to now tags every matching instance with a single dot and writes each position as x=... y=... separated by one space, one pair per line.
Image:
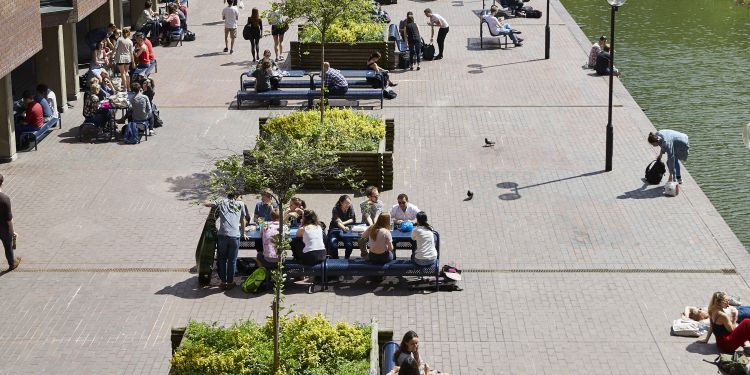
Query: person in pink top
x=268 y=257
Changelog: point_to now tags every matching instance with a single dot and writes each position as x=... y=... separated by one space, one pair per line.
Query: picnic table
x=401 y=239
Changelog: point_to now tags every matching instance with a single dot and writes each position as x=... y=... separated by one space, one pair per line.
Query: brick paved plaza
x=107 y=232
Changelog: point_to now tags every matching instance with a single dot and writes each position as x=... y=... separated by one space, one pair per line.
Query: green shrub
x=346 y=32
x=341 y=130
x=310 y=345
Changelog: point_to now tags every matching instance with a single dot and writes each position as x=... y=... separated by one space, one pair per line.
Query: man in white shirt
x=48 y=94
x=404 y=211
x=230 y=15
x=437 y=20
x=498 y=28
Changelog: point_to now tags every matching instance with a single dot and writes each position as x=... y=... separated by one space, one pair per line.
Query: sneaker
x=514 y=31
x=679 y=180
x=226 y=49
x=734 y=301
x=151 y=132
x=231 y=51
x=418 y=67
x=519 y=44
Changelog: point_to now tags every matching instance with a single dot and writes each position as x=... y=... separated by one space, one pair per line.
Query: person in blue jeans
x=231 y=229
x=676 y=146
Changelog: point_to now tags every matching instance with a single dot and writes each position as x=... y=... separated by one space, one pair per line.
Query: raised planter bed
x=341 y=55
x=377 y=339
x=376 y=167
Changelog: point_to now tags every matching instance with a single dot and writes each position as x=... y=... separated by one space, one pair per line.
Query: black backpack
x=533 y=13
x=247 y=32
x=655 y=172
x=428 y=52
x=189 y=36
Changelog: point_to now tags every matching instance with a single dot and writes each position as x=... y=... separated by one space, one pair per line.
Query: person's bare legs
x=226 y=39
x=276 y=46
x=281 y=46
x=231 y=48
x=123 y=68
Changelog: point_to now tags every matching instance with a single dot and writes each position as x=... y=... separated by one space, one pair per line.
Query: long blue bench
x=389 y=350
x=249 y=84
x=145 y=72
x=307 y=94
x=40 y=133
x=397 y=267
x=293 y=269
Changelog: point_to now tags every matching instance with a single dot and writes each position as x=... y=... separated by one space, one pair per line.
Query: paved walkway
x=568 y=263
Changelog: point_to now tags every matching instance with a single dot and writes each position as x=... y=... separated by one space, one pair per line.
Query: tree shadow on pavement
x=190 y=188
x=643 y=193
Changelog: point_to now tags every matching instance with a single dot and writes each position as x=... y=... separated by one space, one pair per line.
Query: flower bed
x=346 y=47
x=309 y=345
x=360 y=141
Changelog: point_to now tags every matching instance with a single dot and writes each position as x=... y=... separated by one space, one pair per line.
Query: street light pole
x=546 y=35
x=615 y=4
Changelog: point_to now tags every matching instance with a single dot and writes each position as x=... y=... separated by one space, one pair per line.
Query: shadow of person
x=701 y=348
x=643 y=192
x=188 y=289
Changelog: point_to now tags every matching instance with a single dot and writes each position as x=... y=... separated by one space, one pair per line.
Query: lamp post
x=610 y=131
x=546 y=35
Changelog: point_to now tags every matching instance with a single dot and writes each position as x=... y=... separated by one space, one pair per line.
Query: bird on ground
x=488 y=143
x=469 y=195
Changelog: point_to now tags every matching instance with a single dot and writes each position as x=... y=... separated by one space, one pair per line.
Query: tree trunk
x=322 y=73
x=277 y=301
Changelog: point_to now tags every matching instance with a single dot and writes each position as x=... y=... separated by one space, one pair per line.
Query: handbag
x=687 y=328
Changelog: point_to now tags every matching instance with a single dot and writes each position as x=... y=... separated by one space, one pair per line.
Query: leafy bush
x=348 y=31
x=310 y=345
x=341 y=130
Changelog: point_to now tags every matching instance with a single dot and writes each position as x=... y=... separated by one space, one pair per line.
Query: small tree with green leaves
x=282 y=164
x=321 y=14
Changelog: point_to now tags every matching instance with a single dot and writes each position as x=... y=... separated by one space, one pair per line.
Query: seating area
x=39 y=134
x=308 y=89
x=483 y=24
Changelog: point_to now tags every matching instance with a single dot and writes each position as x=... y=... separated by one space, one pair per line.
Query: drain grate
x=124 y=269
x=727 y=271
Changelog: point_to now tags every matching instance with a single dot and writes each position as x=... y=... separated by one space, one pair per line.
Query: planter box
x=341 y=55
x=386 y=2
x=376 y=166
x=377 y=339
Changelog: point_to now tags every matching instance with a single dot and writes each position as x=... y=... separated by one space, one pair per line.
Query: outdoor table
x=255 y=241
x=401 y=239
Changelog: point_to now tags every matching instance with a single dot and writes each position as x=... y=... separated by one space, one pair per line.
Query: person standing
x=124 y=55
x=413 y=41
x=231 y=228
x=279 y=26
x=252 y=32
x=439 y=21
x=675 y=145
x=230 y=15
x=7 y=232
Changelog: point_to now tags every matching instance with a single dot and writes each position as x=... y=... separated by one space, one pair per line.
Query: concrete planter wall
x=376 y=166
x=341 y=55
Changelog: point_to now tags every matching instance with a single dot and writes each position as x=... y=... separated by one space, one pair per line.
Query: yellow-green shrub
x=310 y=345
x=347 y=31
x=341 y=130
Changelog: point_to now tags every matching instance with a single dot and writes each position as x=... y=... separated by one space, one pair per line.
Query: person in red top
x=141 y=52
x=33 y=118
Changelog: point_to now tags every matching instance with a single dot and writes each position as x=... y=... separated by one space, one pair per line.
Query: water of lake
x=687 y=64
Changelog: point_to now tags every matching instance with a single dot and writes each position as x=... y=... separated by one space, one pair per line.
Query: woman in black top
x=413 y=41
x=372 y=64
x=341 y=216
x=263 y=77
x=254 y=31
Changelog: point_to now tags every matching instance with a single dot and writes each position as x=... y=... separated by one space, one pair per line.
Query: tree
x=282 y=164
x=321 y=14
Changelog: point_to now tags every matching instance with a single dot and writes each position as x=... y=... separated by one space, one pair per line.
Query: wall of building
x=83 y=8
x=20 y=24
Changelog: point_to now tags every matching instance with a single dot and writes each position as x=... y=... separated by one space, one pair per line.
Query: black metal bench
x=482 y=22
x=249 y=84
x=307 y=94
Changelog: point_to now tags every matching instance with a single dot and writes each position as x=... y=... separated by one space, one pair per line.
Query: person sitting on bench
x=140 y=108
x=341 y=216
x=91 y=107
x=268 y=257
x=263 y=77
x=498 y=28
x=295 y=211
x=311 y=233
x=372 y=64
x=403 y=210
x=380 y=240
x=44 y=92
x=335 y=82
x=171 y=22
x=142 y=55
x=423 y=234
x=145 y=22
x=46 y=109
x=33 y=118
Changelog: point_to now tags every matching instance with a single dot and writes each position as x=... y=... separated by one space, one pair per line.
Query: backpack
x=389 y=94
x=246 y=32
x=428 y=52
x=189 y=36
x=403 y=60
x=254 y=281
x=655 y=171
x=130 y=134
x=732 y=364
x=533 y=13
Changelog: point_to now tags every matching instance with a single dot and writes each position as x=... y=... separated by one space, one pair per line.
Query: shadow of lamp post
x=610 y=133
